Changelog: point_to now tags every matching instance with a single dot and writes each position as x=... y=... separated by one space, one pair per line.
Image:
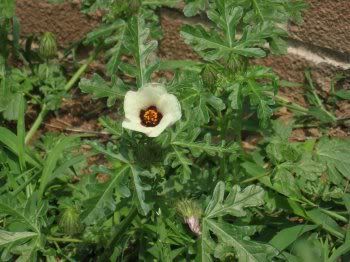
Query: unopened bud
x=70 y=221
x=48 y=46
x=209 y=75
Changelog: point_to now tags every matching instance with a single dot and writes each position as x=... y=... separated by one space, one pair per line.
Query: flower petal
x=157 y=130
x=168 y=105
x=136 y=127
x=148 y=131
x=133 y=103
x=146 y=96
x=152 y=94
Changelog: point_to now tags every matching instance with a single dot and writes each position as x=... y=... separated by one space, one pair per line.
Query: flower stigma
x=150 y=117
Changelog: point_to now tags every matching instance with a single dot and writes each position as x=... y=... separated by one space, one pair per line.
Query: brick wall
x=321 y=43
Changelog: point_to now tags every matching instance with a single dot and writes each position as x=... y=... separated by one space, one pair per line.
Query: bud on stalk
x=48 y=46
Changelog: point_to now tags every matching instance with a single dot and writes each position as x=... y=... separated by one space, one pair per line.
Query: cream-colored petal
x=155 y=89
x=168 y=105
x=157 y=130
x=146 y=96
x=136 y=127
x=153 y=94
x=133 y=103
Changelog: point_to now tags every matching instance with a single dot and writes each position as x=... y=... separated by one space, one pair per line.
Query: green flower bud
x=209 y=75
x=48 y=46
x=191 y=213
x=70 y=221
x=134 y=6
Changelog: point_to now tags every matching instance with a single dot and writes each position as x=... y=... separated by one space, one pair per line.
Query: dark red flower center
x=150 y=117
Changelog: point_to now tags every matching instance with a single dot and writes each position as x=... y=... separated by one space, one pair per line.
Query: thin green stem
x=67 y=87
x=312 y=89
x=80 y=71
x=65 y=239
x=257 y=9
x=328 y=212
x=37 y=123
x=248 y=180
x=285 y=102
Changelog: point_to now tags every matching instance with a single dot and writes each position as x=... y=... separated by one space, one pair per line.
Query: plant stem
x=66 y=239
x=37 y=123
x=312 y=89
x=67 y=87
x=80 y=71
x=285 y=102
x=249 y=180
x=258 y=11
x=123 y=227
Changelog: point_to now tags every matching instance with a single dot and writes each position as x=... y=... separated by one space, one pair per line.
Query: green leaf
x=178 y=159
x=226 y=17
x=116 y=51
x=102 y=202
x=262 y=103
x=343 y=94
x=140 y=189
x=342 y=250
x=197 y=148
x=194 y=7
x=232 y=240
x=51 y=162
x=287 y=236
x=236 y=201
x=11 y=109
x=10 y=238
x=7 y=8
x=328 y=223
x=21 y=133
x=188 y=65
x=136 y=42
x=10 y=207
x=10 y=140
x=335 y=153
x=99 y=88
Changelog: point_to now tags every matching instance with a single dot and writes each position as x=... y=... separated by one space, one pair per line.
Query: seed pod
x=48 y=46
x=191 y=212
x=70 y=221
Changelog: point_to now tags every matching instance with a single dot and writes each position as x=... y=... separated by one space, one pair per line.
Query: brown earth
x=64 y=20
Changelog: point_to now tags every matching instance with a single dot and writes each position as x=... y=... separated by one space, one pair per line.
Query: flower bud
x=209 y=75
x=70 y=221
x=48 y=46
x=191 y=213
x=134 y=6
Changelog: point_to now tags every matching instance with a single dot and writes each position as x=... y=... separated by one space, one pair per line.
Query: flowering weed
x=174 y=180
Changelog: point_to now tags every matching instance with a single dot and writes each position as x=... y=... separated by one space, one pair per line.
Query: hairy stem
x=287 y=103
x=65 y=239
x=312 y=89
x=37 y=123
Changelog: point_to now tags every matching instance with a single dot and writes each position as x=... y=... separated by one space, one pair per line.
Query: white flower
x=150 y=110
